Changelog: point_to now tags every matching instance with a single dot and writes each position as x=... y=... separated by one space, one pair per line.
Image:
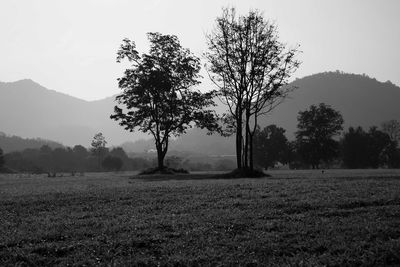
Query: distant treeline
x=356 y=149
x=72 y=160
x=80 y=159
x=320 y=143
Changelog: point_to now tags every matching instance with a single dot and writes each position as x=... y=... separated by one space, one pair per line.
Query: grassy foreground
x=306 y=220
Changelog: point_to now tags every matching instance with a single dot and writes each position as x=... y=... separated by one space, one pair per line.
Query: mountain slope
x=16 y=143
x=27 y=109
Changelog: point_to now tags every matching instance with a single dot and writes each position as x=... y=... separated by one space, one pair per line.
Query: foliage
x=392 y=128
x=67 y=160
x=112 y=163
x=370 y=149
x=317 y=127
x=250 y=67
x=157 y=95
x=270 y=146
x=98 y=148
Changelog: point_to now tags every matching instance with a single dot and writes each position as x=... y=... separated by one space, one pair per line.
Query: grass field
x=300 y=218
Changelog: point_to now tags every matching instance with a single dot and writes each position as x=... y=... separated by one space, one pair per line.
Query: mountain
x=16 y=143
x=28 y=109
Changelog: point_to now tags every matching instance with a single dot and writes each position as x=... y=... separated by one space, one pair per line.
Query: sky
x=70 y=45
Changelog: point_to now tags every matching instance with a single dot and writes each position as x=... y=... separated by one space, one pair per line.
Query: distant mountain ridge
x=16 y=143
x=29 y=110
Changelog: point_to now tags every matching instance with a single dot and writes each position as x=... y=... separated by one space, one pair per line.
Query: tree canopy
x=372 y=149
x=317 y=128
x=270 y=146
x=392 y=128
x=99 y=147
x=157 y=92
x=250 y=67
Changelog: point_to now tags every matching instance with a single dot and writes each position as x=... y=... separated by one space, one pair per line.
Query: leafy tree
x=80 y=155
x=250 y=67
x=112 y=163
x=80 y=151
x=1 y=159
x=99 y=147
x=370 y=149
x=270 y=146
x=61 y=160
x=394 y=158
x=392 y=128
x=354 y=148
x=378 y=147
x=317 y=127
x=157 y=95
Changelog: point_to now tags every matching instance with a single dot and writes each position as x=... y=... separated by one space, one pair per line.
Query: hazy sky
x=70 y=46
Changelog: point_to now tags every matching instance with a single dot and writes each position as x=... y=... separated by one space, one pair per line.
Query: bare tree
x=250 y=67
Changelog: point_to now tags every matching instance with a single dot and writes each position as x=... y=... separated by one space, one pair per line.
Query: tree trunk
x=246 y=145
x=239 y=149
x=248 y=140
x=239 y=137
x=251 y=151
x=160 y=160
x=160 y=156
x=251 y=135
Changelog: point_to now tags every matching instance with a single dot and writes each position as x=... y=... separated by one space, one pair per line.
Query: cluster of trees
x=79 y=159
x=372 y=149
x=72 y=160
x=97 y=158
x=247 y=63
x=318 y=143
x=249 y=66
